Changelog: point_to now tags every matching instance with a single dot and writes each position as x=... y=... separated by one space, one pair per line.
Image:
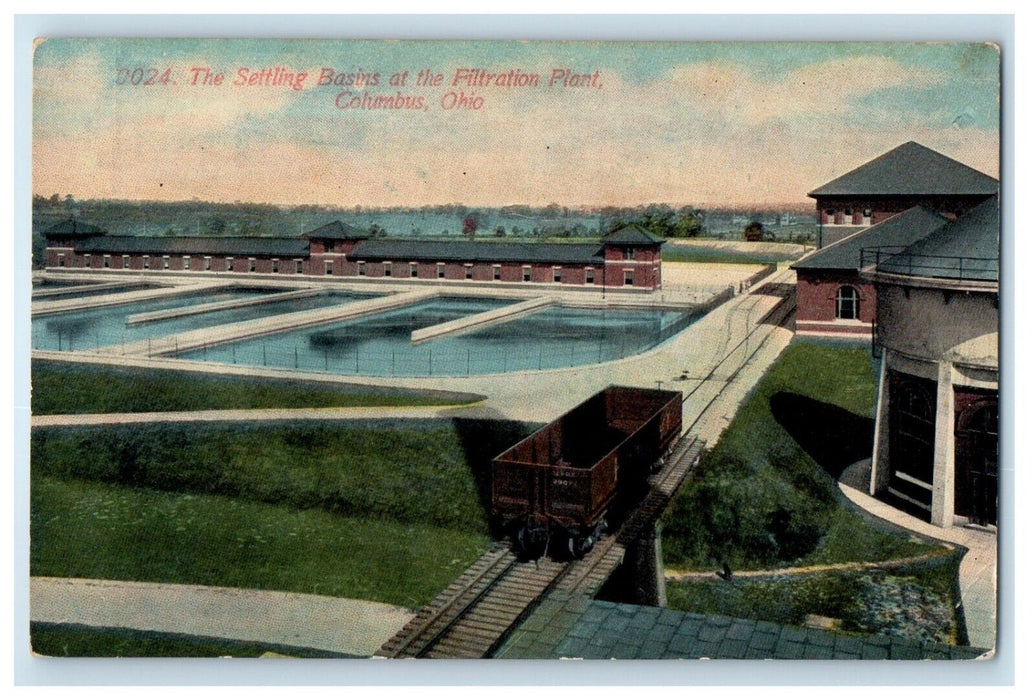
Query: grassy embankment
x=61 y=387
x=77 y=641
x=386 y=511
x=766 y=497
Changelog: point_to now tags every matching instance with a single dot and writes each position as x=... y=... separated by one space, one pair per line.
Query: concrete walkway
x=977 y=568
x=332 y=413
x=198 y=309
x=55 y=306
x=292 y=620
x=267 y=325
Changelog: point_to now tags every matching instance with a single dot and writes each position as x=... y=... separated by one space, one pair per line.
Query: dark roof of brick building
x=899 y=230
x=967 y=249
x=632 y=234
x=482 y=251
x=595 y=629
x=910 y=169
x=196 y=245
x=338 y=231
x=71 y=227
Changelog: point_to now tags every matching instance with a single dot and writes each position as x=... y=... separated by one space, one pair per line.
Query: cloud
x=824 y=88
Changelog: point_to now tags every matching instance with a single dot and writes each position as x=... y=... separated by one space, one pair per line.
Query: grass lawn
x=108 y=531
x=78 y=641
x=766 y=495
x=917 y=602
x=61 y=387
x=387 y=510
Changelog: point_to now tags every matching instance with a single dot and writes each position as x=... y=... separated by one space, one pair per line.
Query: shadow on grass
x=832 y=436
x=482 y=439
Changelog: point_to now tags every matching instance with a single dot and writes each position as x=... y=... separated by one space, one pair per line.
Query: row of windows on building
x=329 y=267
x=832 y=216
x=166 y=265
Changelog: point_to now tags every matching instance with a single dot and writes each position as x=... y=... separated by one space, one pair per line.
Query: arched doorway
x=911 y=439
x=977 y=453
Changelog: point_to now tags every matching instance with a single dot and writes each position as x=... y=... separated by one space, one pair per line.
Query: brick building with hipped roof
x=893 y=200
x=627 y=258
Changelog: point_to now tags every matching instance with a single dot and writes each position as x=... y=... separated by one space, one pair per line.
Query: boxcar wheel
x=532 y=541
x=578 y=546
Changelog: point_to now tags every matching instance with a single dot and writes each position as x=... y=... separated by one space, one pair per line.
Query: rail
x=893 y=259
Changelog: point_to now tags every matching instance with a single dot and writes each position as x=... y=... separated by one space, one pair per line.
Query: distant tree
x=754 y=231
x=215 y=226
x=470 y=225
x=377 y=231
x=499 y=232
x=688 y=223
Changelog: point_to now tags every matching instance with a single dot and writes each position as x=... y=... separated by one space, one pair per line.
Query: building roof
x=71 y=227
x=196 y=245
x=338 y=231
x=899 y=230
x=482 y=251
x=967 y=249
x=910 y=169
x=632 y=234
x=597 y=629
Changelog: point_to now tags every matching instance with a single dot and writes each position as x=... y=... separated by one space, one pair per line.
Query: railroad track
x=475 y=613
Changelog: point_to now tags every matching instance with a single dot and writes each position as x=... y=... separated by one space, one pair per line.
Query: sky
x=706 y=124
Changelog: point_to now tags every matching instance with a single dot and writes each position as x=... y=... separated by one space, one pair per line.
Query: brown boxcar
x=561 y=481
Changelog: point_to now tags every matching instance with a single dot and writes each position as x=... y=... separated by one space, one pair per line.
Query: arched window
x=847 y=303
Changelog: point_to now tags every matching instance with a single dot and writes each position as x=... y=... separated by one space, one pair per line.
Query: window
x=628 y=254
x=589 y=275
x=467 y=272
x=830 y=214
x=557 y=274
x=165 y=262
x=440 y=270
x=413 y=269
x=208 y=262
x=147 y=262
x=388 y=268
x=275 y=265
x=61 y=259
x=230 y=264
x=251 y=264
x=867 y=217
x=627 y=277
x=298 y=267
x=847 y=303
x=526 y=274
x=125 y=262
x=361 y=268
x=329 y=267
x=496 y=272
x=86 y=260
x=187 y=262
x=107 y=261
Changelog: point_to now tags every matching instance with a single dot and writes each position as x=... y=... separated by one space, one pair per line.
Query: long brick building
x=629 y=257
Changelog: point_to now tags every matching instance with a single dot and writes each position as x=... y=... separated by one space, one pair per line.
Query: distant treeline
x=200 y=218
